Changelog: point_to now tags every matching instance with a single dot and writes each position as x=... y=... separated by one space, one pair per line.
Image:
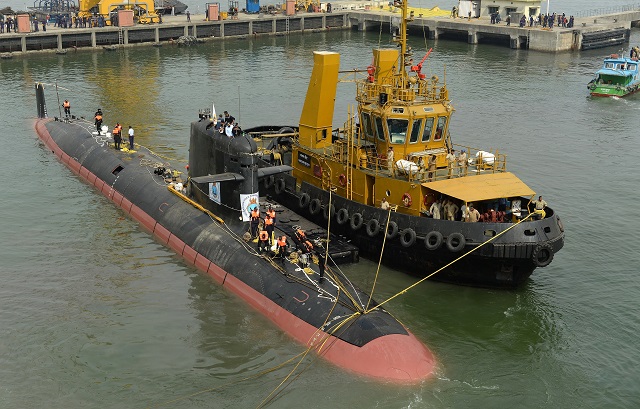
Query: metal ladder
x=287 y=25
x=120 y=36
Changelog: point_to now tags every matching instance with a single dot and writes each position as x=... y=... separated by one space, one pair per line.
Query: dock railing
x=608 y=10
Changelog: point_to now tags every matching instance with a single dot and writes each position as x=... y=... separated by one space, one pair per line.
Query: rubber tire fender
x=433 y=240
x=373 y=227
x=329 y=210
x=342 y=216
x=286 y=129
x=280 y=185
x=356 y=221
x=304 y=200
x=315 y=206
x=392 y=230
x=542 y=255
x=451 y=242
x=269 y=181
x=407 y=237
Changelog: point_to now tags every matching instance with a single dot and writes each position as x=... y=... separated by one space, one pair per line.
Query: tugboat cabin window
x=442 y=122
x=428 y=128
x=367 y=126
x=379 y=128
x=397 y=130
x=415 y=130
x=631 y=67
x=609 y=65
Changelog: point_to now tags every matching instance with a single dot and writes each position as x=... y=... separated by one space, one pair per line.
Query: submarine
x=205 y=222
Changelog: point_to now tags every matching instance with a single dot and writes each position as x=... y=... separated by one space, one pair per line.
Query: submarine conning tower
x=230 y=164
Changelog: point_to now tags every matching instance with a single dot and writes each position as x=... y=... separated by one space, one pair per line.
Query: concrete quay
x=60 y=39
x=587 y=33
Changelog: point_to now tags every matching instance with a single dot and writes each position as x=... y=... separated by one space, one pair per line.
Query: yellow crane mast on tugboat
x=397 y=108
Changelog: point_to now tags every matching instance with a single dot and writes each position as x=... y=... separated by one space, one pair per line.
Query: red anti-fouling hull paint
x=384 y=358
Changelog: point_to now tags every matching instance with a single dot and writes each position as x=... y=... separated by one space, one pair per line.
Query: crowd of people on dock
x=542 y=20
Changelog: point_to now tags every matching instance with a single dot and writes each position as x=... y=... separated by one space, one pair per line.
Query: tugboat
x=205 y=223
x=618 y=77
x=394 y=152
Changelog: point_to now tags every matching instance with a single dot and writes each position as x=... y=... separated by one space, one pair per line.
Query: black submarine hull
x=372 y=344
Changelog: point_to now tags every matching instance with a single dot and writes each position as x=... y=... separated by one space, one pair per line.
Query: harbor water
x=96 y=314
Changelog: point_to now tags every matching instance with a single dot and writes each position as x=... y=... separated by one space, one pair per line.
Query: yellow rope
x=194 y=204
x=384 y=242
x=447 y=265
x=317 y=346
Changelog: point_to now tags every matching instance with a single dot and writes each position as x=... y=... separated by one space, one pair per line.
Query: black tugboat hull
x=506 y=262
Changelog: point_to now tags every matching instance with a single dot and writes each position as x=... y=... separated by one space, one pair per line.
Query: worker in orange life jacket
x=255 y=221
x=67 y=107
x=303 y=243
x=282 y=248
x=263 y=241
x=117 y=136
x=268 y=225
x=98 y=118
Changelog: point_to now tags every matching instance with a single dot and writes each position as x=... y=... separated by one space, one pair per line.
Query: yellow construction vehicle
x=308 y=5
x=143 y=10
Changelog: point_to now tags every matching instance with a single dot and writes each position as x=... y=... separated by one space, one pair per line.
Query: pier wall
x=588 y=32
x=60 y=39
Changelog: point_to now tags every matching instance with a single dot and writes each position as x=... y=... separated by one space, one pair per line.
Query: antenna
x=58 y=95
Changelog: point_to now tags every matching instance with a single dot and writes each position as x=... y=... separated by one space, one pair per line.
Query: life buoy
x=407 y=237
x=315 y=206
x=304 y=200
x=542 y=255
x=342 y=216
x=356 y=221
x=456 y=242
x=342 y=179
x=373 y=227
x=269 y=181
x=406 y=200
x=433 y=240
x=392 y=230
x=280 y=186
x=329 y=211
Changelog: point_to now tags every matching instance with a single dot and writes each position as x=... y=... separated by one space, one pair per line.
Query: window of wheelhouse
x=367 y=127
x=428 y=128
x=379 y=127
x=442 y=122
x=397 y=129
x=415 y=130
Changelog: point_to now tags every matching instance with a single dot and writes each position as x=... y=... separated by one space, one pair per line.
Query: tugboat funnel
x=316 y=119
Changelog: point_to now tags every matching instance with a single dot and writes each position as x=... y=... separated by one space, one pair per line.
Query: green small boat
x=618 y=77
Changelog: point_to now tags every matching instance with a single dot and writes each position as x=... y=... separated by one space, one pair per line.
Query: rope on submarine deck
x=384 y=242
x=368 y=310
x=354 y=306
